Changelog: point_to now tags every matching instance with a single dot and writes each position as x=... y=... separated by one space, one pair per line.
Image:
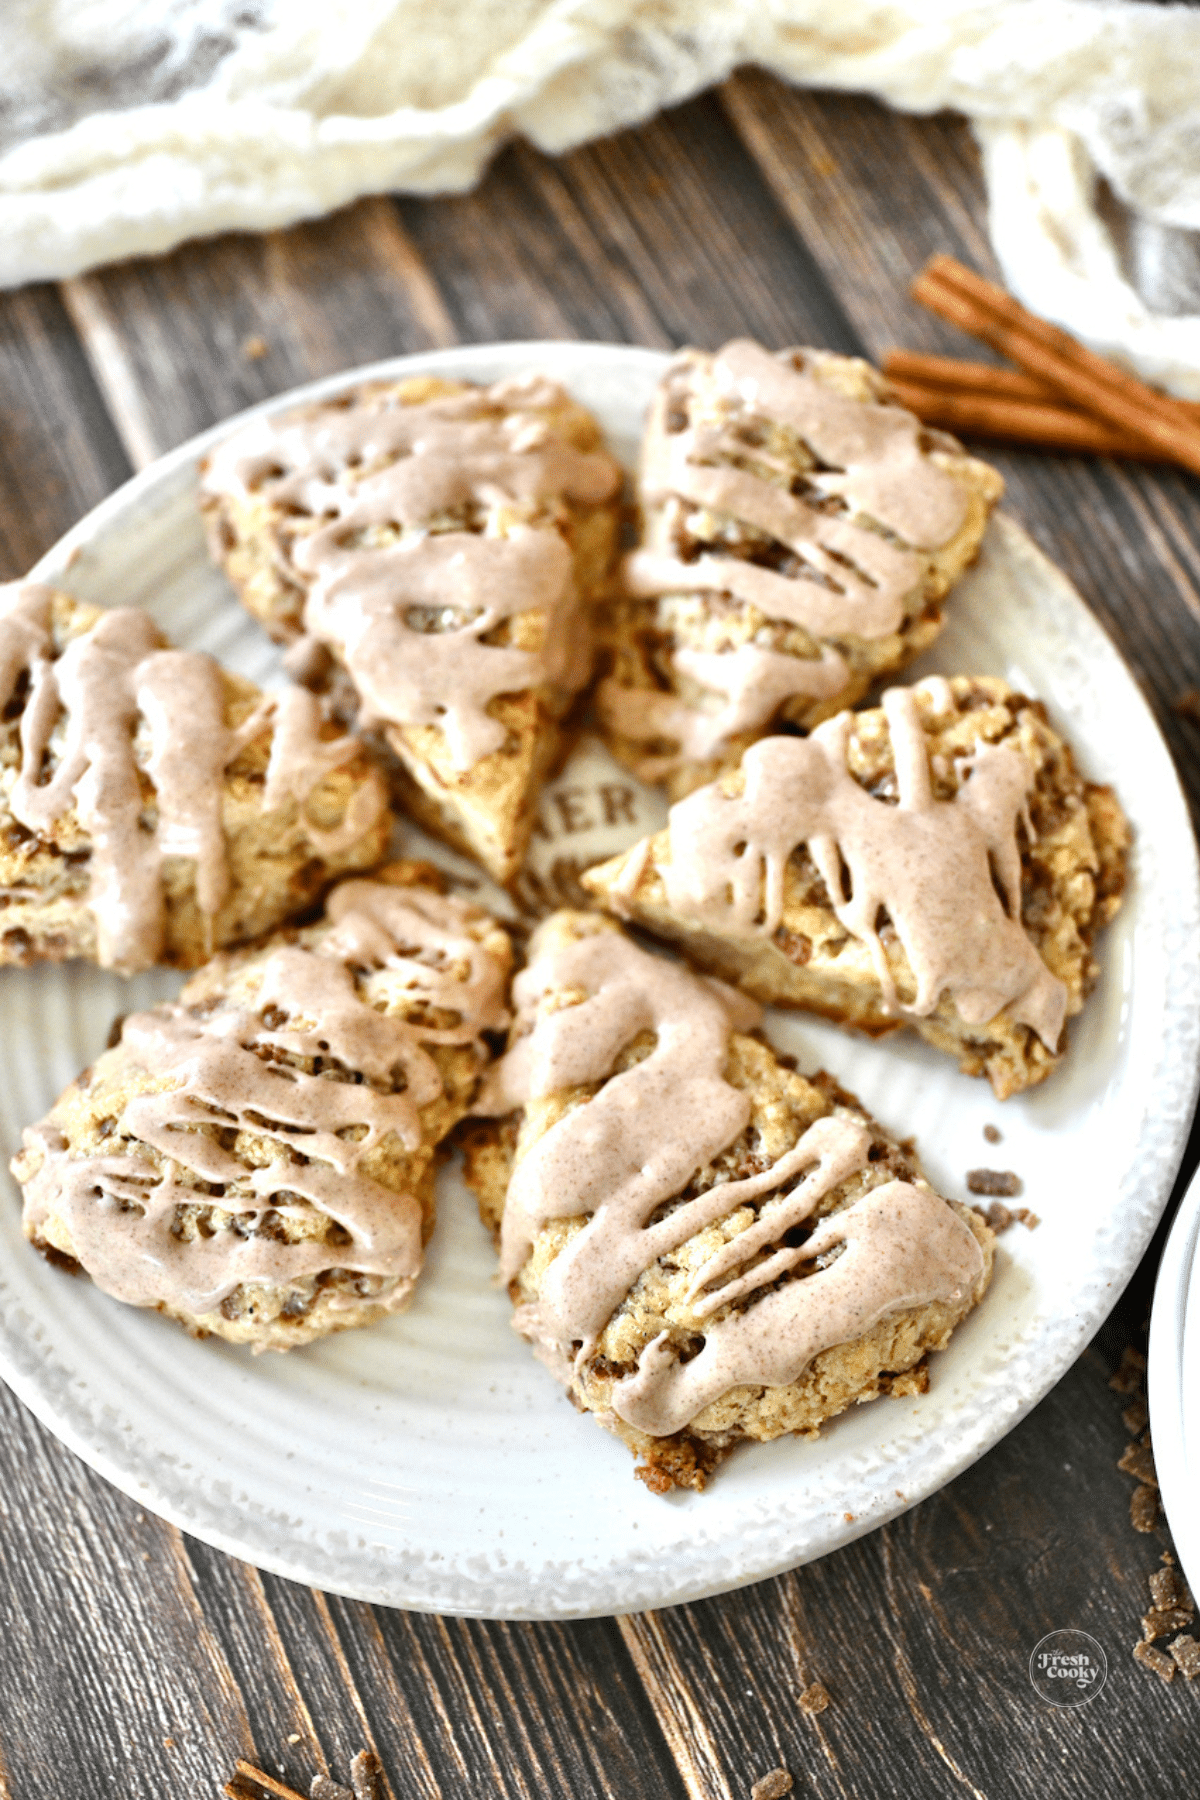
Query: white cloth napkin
x=128 y=125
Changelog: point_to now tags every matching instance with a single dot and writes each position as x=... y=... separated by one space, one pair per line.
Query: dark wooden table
x=135 y=1661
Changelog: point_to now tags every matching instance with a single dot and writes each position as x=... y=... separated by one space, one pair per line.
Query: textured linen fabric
x=128 y=125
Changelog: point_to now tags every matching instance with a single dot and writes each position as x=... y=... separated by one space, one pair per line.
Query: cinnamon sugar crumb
x=324 y=1789
x=1150 y=1658
x=1136 y=1417
x=999 y=1217
x=772 y=1786
x=365 y=1776
x=1130 y=1373
x=815 y=1698
x=1161 y=1620
x=1144 y=1509
x=993 y=1134
x=994 y=1181
x=1186 y=1653
x=1168 y=1588
x=1138 y=1460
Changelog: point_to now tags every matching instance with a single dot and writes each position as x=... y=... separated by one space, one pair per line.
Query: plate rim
x=1174 y=1315
x=792 y=1546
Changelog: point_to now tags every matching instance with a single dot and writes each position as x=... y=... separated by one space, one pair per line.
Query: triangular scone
x=154 y=807
x=800 y=533
x=444 y=544
x=257 y=1160
x=936 y=862
x=702 y=1245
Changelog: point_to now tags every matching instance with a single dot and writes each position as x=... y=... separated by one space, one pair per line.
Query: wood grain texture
x=172 y=340
x=59 y=451
x=663 y=236
x=796 y=218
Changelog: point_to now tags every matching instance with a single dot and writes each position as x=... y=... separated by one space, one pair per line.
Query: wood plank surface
x=135 y=1662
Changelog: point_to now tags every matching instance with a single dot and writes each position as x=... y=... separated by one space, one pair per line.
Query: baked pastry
x=703 y=1246
x=936 y=862
x=443 y=543
x=153 y=806
x=800 y=533
x=257 y=1160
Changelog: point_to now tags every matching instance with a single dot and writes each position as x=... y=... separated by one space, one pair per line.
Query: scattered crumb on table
x=772 y=1786
x=1144 y=1509
x=815 y=1698
x=1150 y=1658
x=1168 y=1588
x=1138 y=1460
x=1160 y=1621
x=255 y=348
x=1136 y=1417
x=1130 y=1371
x=993 y=1134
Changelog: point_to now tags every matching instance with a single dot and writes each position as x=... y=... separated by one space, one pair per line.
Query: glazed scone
x=257 y=1160
x=800 y=534
x=154 y=807
x=702 y=1245
x=444 y=544
x=936 y=862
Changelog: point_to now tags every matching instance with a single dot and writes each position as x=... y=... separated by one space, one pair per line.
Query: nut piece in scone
x=440 y=547
x=801 y=531
x=257 y=1160
x=702 y=1245
x=936 y=862
x=154 y=807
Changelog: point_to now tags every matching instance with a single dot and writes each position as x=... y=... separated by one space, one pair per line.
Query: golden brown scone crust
x=487 y=810
x=641 y=636
x=1073 y=877
x=276 y=872
x=91 y=1111
x=887 y=1359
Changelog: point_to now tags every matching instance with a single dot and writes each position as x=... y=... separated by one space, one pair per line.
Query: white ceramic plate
x=1174 y=1381
x=430 y=1462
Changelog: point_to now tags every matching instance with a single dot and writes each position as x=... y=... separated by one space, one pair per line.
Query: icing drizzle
x=120 y=1211
x=934 y=866
x=847 y=580
x=638 y=1142
x=85 y=705
x=411 y=618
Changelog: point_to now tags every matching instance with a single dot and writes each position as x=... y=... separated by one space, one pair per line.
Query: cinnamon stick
x=959 y=376
x=1031 y=423
x=985 y=311
x=919 y=369
x=259 y=1776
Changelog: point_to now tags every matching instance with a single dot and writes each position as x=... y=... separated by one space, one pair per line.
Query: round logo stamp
x=1068 y=1668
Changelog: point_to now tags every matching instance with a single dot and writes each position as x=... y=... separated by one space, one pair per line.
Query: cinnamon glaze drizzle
x=615 y=1159
x=83 y=707
x=850 y=581
x=933 y=865
x=411 y=618
x=226 y=1072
